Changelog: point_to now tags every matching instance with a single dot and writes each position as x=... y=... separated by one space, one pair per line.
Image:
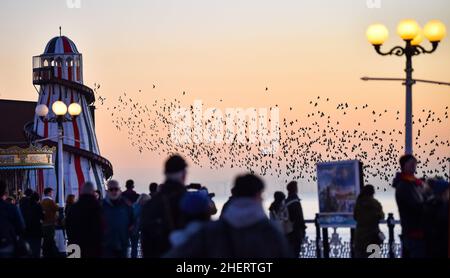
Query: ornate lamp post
x=410 y=31
x=62 y=114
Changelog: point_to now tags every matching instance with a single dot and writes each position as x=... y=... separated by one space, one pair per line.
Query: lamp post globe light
x=62 y=114
x=410 y=31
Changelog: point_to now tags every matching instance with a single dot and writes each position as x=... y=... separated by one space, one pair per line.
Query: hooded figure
x=368 y=213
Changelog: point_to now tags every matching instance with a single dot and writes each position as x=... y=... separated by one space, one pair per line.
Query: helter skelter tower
x=58 y=74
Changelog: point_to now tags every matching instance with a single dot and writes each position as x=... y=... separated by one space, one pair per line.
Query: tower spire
x=60 y=31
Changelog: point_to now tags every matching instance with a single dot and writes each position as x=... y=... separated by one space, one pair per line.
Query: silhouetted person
x=436 y=219
x=50 y=209
x=11 y=225
x=161 y=215
x=227 y=203
x=212 y=205
x=153 y=189
x=244 y=231
x=129 y=195
x=368 y=212
x=296 y=217
x=33 y=216
x=70 y=200
x=279 y=214
x=84 y=223
x=410 y=197
x=136 y=231
x=196 y=211
x=98 y=196
x=118 y=217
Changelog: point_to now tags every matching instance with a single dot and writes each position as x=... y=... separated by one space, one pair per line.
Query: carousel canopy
x=16 y=158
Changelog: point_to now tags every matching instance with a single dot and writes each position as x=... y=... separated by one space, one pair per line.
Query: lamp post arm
x=397 y=51
x=365 y=78
x=421 y=50
x=45 y=139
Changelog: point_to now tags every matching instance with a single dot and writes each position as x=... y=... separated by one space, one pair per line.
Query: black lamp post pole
x=409 y=51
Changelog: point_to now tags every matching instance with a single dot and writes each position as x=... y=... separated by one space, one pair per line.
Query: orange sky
x=222 y=49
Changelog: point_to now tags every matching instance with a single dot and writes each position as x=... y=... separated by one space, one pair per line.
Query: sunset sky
x=227 y=49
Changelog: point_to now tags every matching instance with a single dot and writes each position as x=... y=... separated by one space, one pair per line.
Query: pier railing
x=334 y=246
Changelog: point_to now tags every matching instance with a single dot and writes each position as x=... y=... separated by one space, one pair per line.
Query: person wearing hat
x=195 y=209
x=161 y=215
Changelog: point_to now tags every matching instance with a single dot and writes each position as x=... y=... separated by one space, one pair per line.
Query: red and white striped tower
x=58 y=73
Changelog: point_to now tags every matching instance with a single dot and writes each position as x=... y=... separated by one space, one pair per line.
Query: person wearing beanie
x=162 y=215
x=243 y=231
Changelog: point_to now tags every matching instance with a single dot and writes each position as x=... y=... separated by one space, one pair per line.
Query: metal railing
x=324 y=246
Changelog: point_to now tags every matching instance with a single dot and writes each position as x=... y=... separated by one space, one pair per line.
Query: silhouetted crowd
x=174 y=220
x=423 y=209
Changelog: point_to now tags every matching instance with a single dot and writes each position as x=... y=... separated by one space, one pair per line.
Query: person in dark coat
x=436 y=219
x=129 y=195
x=33 y=216
x=243 y=231
x=410 y=195
x=279 y=214
x=367 y=213
x=153 y=189
x=161 y=215
x=84 y=223
x=136 y=232
x=51 y=216
x=118 y=219
x=98 y=196
x=12 y=225
x=296 y=217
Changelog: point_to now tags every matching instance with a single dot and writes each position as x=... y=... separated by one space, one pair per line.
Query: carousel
x=19 y=165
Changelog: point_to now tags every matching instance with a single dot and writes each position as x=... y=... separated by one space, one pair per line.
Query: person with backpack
x=12 y=225
x=295 y=211
x=279 y=214
x=161 y=215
